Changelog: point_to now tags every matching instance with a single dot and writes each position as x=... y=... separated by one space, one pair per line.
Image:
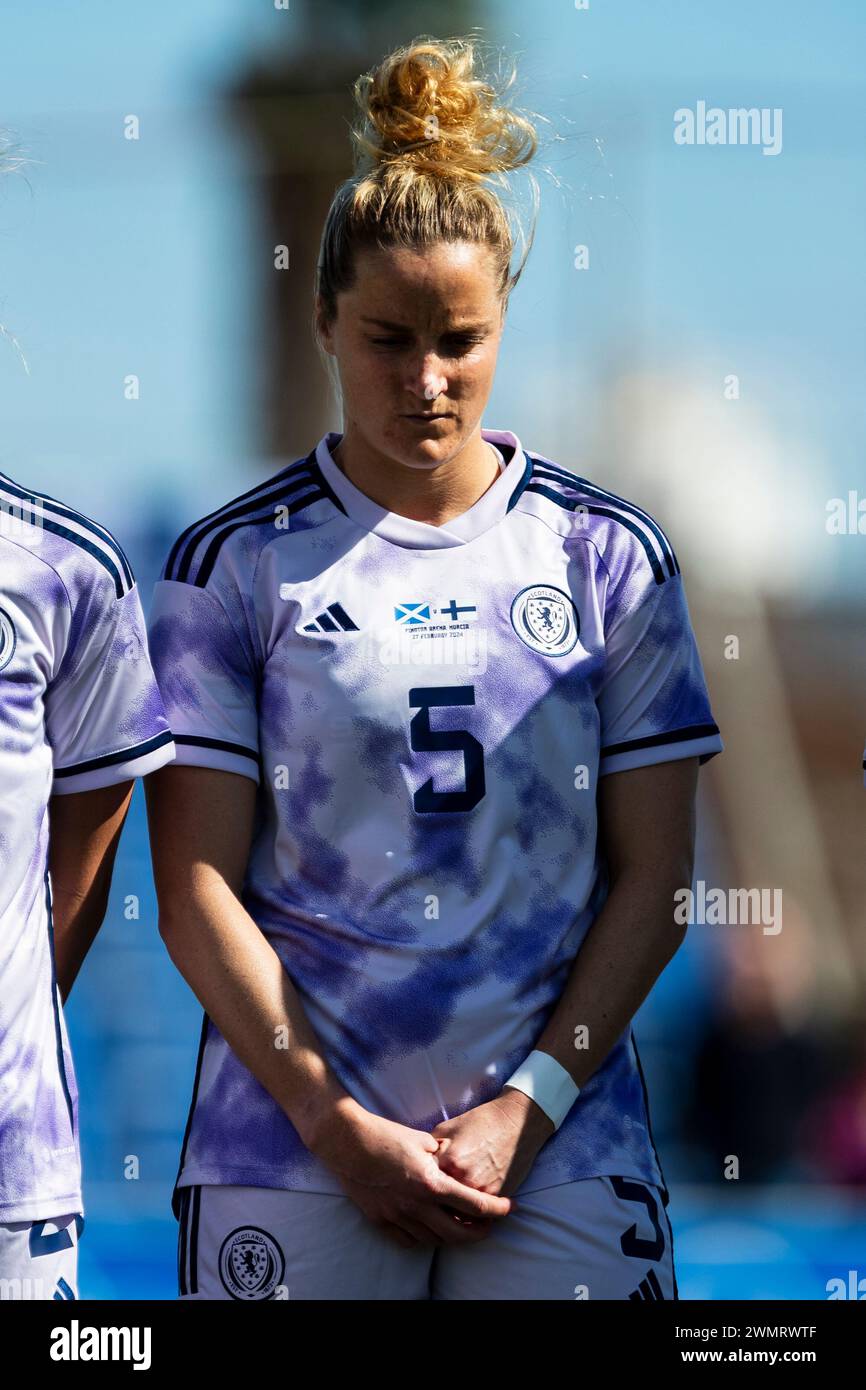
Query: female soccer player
x=80 y=718
x=438 y=711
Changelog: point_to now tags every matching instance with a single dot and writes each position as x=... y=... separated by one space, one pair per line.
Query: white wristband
x=547 y=1083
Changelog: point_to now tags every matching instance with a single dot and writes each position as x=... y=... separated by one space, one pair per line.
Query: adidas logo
x=334 y=619
x=648 y=1290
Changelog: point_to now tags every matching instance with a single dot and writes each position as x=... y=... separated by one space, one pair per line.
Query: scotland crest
x=545 y=619
x=251 y=1263
x=7 y=638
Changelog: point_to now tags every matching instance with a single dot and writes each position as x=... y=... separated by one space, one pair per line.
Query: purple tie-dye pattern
x=178 y=640
x=422 y=1007
x=36 y=1125
x=235 y=1107
x=381 y=753
x=423 y=1012
x=681 y=699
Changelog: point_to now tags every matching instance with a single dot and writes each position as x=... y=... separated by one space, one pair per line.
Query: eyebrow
x=404 y=328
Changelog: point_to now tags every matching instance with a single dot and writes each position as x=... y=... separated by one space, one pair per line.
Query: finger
x=435 y=1225
x=468 y=1201
x=465 y=1220
x=454 y=1229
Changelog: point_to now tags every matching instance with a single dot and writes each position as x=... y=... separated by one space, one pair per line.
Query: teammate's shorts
x=39 y=1259
x=603 y=1237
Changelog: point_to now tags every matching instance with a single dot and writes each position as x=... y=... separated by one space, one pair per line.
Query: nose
x=426 y=379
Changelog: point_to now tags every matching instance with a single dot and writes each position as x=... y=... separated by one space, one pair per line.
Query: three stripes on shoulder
x=195 y=552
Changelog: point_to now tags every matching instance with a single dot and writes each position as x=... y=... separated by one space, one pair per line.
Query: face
x=416 y=341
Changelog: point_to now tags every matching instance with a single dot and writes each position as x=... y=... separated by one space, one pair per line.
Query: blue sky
x=134 y=256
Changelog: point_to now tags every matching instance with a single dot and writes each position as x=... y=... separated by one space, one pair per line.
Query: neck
x=435 y=496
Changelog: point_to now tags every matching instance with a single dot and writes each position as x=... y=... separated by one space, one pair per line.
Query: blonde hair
x=433 y=137
x=12 y=161
x=12 y=157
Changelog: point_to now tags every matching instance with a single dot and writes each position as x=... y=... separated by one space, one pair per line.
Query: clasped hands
x=447 y=1187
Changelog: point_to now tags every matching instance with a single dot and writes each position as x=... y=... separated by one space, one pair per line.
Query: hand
x=390 y=1171
x=493 y=1146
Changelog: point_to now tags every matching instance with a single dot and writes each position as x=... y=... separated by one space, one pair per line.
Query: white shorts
x=39 y=1259
x=604 y=1237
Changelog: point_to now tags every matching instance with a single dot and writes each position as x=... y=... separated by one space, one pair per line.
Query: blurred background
x=690 y=331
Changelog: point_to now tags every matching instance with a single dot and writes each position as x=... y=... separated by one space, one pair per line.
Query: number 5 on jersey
x=424 y=739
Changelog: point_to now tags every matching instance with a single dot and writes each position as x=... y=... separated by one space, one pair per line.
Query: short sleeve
x=653 y=701
x=207 y=673
x=104 y=717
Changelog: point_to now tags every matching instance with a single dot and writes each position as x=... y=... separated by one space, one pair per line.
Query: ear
x=324 y=326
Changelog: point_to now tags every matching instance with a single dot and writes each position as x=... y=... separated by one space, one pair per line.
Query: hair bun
x=425 y=104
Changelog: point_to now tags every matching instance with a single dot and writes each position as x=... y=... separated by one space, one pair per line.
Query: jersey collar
x=419 y=535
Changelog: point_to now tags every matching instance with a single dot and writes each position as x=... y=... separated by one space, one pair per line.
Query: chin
x=424 y=451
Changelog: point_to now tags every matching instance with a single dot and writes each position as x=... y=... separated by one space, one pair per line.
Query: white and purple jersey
x=426 y=711
x=79 y=708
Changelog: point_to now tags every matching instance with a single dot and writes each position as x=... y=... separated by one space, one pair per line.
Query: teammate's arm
x=84 y=832
x=201 y=823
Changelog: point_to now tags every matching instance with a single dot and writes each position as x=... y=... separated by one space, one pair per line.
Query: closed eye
x=456 y=345
x=463 y=343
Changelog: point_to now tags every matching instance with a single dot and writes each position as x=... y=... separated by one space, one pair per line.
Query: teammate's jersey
x=426 y=711
x=79 y=708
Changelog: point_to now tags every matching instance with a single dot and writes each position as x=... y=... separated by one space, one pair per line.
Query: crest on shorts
x=7 y=638
x=251 y=1263
x=545 y=619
